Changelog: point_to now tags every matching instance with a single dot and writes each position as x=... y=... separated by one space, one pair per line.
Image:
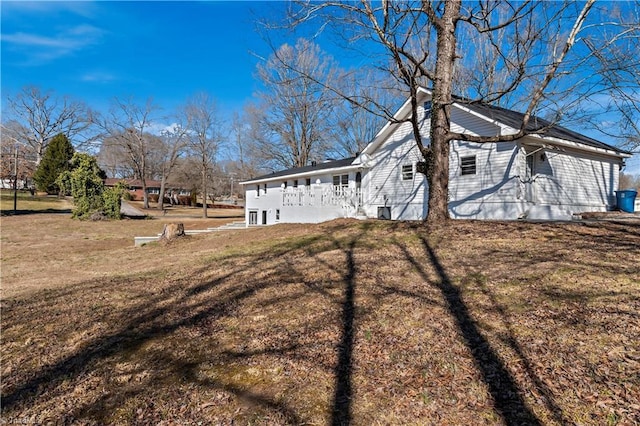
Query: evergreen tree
x=57 y=159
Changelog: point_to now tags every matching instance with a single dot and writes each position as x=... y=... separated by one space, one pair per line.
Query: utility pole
x=15 y=183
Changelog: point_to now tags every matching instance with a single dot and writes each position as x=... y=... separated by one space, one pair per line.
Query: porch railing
x=323 y=196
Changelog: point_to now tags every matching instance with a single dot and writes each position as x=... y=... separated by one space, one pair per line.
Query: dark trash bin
x=626 y=200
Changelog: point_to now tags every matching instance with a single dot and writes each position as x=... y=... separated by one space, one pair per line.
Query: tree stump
x=172 y=231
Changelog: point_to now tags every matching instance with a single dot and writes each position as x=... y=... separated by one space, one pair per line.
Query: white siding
x=495 y=184
x=579 y=181
x=383 y=185
x=303 y=204
x=463 y=122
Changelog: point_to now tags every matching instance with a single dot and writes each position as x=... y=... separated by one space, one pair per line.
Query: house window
x=341 y=181
x=284 y=184
x=277 y=215
x=308 y=182
x=265 y=188
x=295 y=183
x=257 y=190
x=384 y=213
x=468 y=165
x=407 y=172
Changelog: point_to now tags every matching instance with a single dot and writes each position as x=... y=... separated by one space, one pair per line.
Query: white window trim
x=406 y=177
x=468 y=166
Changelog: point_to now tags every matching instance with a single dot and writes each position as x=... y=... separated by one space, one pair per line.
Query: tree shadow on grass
x=343 y=392
x=153 y=318
x=503 y=388
x=10 y=212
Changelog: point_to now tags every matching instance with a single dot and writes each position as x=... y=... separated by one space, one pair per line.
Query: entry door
x=529 y=183
x=264 y=217
x=253 y=217
x=359 y=188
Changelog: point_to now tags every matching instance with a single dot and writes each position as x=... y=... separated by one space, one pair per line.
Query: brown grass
x=345 y=322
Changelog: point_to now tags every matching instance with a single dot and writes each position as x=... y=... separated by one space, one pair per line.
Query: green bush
x=112 y=200
x=85 y=184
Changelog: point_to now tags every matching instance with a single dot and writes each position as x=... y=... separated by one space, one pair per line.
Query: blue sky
x=166 y=50
x=94 y=51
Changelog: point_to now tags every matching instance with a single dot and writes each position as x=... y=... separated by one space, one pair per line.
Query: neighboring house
x=135 y=187
x=549 y=176
x=9 y=183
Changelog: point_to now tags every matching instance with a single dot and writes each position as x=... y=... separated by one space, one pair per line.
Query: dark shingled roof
x=514 y=119
x=311 y=168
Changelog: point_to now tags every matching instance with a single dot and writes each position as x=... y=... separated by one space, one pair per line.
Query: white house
x=549 y=176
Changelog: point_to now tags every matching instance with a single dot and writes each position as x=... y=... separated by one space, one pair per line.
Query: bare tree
x=242 y=145
x=173 y=142
x=204 y=128
x=39 y=116
x=127 y=126
x=113 y=159
x=529 y=49
x=352 y=126
x=17 y=162
x=295 y=109
x=618 y=65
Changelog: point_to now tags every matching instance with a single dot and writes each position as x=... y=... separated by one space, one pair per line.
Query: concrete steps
x=241 y=224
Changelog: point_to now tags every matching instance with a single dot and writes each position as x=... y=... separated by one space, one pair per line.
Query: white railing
x=337 y=196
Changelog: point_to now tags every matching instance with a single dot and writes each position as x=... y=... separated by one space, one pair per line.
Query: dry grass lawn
x=347 y=322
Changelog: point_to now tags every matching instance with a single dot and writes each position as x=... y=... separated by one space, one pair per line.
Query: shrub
x=84 y=183
x=112 y=200
x=153 y=198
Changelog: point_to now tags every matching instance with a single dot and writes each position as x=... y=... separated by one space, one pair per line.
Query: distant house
x=544 y=176
x=9 y=183
x=135 y=186
x=153 y=187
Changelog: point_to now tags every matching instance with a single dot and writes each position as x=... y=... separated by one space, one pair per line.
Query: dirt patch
x=345 y=322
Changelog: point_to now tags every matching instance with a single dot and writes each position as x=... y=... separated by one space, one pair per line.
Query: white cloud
x=30 y=8
x=160 y=128
x=98 y=77
x=39 y=48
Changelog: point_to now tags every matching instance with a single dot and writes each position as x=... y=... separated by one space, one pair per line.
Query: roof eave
x=577 y=145
x=391 y=125
x=303 y=174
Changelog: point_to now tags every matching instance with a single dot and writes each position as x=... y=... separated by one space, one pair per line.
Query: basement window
x=407 y=172
x=468 y=165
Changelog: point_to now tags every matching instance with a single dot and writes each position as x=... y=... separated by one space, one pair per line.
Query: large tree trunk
x=440 y=115
x=204 y=189
x=161 y=195
x=145 y=195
